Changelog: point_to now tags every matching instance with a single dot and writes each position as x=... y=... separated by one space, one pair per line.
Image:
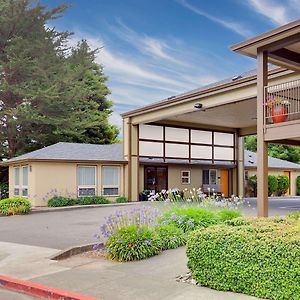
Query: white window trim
x=111 y=186
x=87 y=186
x=17 y=186
x=184 y=177
x=22 y=185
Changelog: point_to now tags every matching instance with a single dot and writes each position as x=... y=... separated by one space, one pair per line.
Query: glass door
x=156 y=178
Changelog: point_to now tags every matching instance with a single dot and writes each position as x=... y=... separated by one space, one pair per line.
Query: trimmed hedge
x=283 y=184
x=298 y=186
x=15 y=206
x=65 y=201
x=259 y=257
x=272 y=185
x=122 y=200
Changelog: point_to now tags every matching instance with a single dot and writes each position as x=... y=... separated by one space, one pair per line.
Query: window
x=17 y=181
x=86 y=180
x=186 y=177
x=25 y=181
x=110 y=180
x=210 y=177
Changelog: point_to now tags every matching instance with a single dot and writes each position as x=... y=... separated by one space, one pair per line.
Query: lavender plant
x=130 y=235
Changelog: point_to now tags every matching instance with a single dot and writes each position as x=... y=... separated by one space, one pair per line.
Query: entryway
x=156 y=178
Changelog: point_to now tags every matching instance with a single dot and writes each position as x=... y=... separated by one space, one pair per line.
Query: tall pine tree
x=49 y=92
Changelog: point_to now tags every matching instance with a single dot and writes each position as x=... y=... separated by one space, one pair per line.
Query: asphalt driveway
x=62 y=229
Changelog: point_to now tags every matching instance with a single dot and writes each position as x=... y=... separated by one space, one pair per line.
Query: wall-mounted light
x=198 y=106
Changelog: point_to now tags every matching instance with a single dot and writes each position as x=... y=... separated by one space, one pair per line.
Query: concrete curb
x=39 y=290
x=66 y=253
x=64 y=208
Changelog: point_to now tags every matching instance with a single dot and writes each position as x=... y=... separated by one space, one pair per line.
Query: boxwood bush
x=259 y=257
x=298 y=185
x=14 y=206
x=283 y=184
x=65 y=201
x=272 y=185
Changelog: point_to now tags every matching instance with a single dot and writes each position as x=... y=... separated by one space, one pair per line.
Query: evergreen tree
x=48 y=92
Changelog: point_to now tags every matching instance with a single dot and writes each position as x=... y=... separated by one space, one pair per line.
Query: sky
x=155 y=49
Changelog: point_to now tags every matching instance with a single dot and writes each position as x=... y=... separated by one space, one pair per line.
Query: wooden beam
x=286 y=56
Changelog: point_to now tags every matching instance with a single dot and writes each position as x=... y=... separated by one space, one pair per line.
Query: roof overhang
x=282 y=45
x=87 y=161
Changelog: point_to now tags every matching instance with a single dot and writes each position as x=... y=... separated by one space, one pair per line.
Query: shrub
x=3 y=190
x=228 y=214
x=190 y=217
x=121 y=200
x=132 y=242
x=259 y=257
x=298 y=185
x=272 y=185
x=92 y=200
x=60 y=201
x=283 y=184
x=65 y=201
x=14 y=206
x=252 y=182
x=171 y=237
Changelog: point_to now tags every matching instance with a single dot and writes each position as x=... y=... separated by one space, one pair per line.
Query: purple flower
x=147 y=242
x=139 y=231
x=120 y=241
x=108 y=250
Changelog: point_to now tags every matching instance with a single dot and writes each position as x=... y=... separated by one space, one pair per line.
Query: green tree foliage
x=283 y=184
x=49 y=91
x=284 y=152
x=252 y=182
x=272 y=185
x=298 y=185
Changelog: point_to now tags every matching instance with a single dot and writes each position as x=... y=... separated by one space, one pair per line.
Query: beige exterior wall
x=48 y=178
x=277 y=172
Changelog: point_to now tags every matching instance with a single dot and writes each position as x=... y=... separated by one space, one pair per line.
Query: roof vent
x=236 y=77
x=172 y=97
x=251 y=162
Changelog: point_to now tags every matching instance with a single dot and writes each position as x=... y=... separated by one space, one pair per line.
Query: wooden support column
x=240 y=166
x=262 y=146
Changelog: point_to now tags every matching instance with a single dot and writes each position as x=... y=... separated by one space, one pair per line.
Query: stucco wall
x=49 y=178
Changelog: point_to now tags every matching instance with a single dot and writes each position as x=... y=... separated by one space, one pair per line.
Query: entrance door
x=156 y=178
x=225 y=182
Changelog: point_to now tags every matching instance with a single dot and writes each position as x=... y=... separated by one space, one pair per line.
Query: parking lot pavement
x=63 y=229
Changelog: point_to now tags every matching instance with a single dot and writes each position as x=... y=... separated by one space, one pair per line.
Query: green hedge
x=272 y=185
x=122 y=200
x=65 y=201
x=298 y=185
x=259 y=257
x=283 y=184
x=14 y=206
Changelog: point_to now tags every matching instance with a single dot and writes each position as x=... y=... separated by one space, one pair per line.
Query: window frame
x=86 y=186
x=111 y=186
x=188 y=177
x=17 y=186
x=23 y=186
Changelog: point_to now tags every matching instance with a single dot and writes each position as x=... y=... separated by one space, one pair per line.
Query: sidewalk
x=153 y=278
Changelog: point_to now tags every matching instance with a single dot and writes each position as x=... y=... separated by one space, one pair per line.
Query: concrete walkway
x=153 y=278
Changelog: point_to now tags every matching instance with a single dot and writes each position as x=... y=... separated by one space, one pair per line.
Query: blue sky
x=159 y=48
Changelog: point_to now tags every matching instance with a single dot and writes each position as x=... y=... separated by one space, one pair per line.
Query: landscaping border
x=39 y=290
x=71 y=251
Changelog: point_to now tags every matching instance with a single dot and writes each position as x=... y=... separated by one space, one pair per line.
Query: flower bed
x=144 y=232
x=259 y=257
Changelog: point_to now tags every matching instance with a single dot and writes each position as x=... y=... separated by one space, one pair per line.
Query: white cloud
x=116 y=119
x=231 y=25
x=278 y=12
x=274 y=11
